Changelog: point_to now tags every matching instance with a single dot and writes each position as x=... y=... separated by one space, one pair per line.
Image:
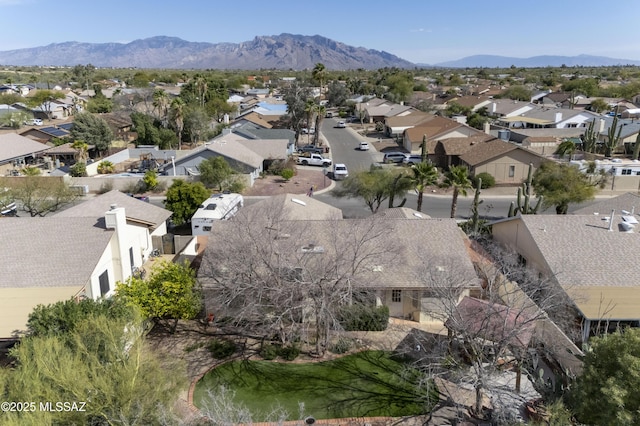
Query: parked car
x=412 y=159
x=340 y=171
x=363 y=146
x=393 y=157
x=314 y=160
x=34 y=122
x=341 y=125
x=310 y=149
x=308 y=131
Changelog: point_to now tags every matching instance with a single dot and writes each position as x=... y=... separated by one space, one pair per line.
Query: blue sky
x=420 y=31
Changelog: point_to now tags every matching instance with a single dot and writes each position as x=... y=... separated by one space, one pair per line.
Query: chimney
x=493 y=107
x=611 y=220
x=558 y=117
x=487 y=128
x=116 y=219
x=601 y=125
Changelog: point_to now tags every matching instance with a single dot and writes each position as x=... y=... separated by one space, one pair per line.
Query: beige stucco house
x=506 y=162
x=589 y=257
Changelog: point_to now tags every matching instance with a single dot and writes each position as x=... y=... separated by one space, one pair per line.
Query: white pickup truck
x=314 y=160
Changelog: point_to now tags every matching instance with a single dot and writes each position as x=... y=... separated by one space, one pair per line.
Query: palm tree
x=83 y=151
x=161 y=103
x=309 y=110
x=177 y=113
x=424 y=174
x=566 y=147
x=457 y=178
x=320 y=111
x=319 y=73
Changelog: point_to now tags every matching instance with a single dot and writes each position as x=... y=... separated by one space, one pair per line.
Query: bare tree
x=290 y=278
x=489 y=329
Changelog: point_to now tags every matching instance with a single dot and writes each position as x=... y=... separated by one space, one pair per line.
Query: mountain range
x=284 y=51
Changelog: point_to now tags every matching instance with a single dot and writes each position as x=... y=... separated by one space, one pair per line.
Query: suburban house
x=151 y=219
x=45 y=134
x=436 y=129
x=628 y=129
x=121 y=126
x=252 y=118
x=506 y=162
x=396 y=125
x=589 y=257
x=472 y=102
x=403 y=263
x=18 y=150
x=252 y=131
x=270 y=149
x=80 y=257
x=243 y=160
x=503 y=108
x=539 y=117
x=446 y=153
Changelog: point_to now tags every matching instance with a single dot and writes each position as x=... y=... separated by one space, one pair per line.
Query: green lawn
x=367 y=384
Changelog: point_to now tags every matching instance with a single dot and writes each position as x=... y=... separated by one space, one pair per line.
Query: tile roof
x=135 y=210
x=51 y=251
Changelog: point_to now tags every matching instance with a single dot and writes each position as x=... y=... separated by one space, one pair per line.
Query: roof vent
x=113 y=206
x=377 y=268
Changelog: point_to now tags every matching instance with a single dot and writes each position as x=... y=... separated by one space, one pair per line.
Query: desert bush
x=220 y=348
x=364 y=318
x=287 y=174
x=289 y=352
x=488 y=180
x=269 y=352
x=342 y=346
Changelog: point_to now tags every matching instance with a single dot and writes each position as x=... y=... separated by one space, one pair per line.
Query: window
x=512 y=171
x=396 y=296
x=206 y=228
x=626 y=171
x=104 y=283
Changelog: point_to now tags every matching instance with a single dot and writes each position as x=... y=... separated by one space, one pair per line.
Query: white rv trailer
x=216 y=207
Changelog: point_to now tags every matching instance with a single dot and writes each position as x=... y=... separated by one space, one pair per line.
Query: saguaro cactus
x=524 y=205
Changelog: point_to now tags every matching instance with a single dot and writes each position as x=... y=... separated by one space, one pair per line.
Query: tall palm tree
x=457 y=178
x=319 y=73
x=161 y=104
x=320 y=111
x=177 y=114
x=424 y=174
x=309 y=110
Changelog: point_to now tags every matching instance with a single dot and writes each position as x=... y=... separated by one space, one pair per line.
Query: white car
x=34 y=122
x=341 y=125
x=364 y=146
x=340 y=171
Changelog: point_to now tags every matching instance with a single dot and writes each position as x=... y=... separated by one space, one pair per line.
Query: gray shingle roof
x=627 y=201
x=581 y=251
x=405 y=247
x=135 y=210
x=50 y=251
x=12 y=145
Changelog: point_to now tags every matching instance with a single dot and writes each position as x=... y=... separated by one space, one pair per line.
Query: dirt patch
x=299 y=184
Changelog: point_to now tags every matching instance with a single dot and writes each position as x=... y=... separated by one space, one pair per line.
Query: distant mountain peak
x=284 y=51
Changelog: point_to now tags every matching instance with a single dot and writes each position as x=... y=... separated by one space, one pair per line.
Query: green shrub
x=364 y=318
x=269 y=352
x=287 y=174
x=106 y=167
x=342 y=346
x=488 y=180
x=150 y=179
x=289 y=352
x=221 y=348
x=78 y=170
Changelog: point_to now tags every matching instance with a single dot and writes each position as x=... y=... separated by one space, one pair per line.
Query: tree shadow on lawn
x=365 y=384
